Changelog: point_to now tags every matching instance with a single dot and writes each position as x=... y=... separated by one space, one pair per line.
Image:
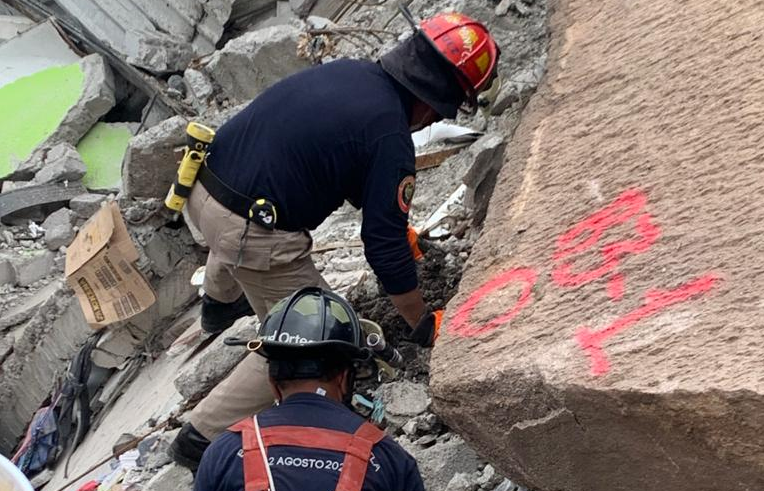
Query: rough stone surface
x=85 y=205
x=48 y=341
x=171 y=478
x=254 y=61
x=157 y=36
x=440 y=462
x=30 y=265
x=62 y=163
x=403 y=400
x=58 y=228
x=151 y=160
x=635 y=173
x=163 y=251
x=212 y=365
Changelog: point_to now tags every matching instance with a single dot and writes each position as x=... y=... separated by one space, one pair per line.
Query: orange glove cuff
x=413 y=239
x=438 y=319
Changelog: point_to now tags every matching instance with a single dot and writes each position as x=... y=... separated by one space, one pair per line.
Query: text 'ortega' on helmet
x=467 y=45
x=311 y=322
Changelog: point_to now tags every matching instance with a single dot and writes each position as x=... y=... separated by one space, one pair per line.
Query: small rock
x=171 y=478
x=503 y=8
x=62 y=163
x=403 y=400
x=462 y=482
x=177 y=83
x=58 y=228
x=86 y=205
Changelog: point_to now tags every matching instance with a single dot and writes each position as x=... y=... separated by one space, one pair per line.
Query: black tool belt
x=262 y=211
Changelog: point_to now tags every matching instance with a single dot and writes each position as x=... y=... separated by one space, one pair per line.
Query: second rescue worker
x=332 y=133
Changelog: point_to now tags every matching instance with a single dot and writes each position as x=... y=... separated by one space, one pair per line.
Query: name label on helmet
x=286 y=337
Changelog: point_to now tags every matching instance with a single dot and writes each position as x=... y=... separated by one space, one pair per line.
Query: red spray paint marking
x=655 y=301
x=461 y=326
x=626 y=206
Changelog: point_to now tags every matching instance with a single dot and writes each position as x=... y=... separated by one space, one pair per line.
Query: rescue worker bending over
x=311 y=441
x=332 y=133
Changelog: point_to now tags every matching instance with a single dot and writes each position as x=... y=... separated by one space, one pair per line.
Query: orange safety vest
x=356 y=446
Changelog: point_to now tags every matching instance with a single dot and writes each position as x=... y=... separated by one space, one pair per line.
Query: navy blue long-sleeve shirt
x=305 y=469
x=331 y=133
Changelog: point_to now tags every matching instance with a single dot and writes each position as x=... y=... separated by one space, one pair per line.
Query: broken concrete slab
x=160 y=37
x=85 y=205
x=13 y=25
x=249 y=64
x=102 y=150
x=61 y=163
x=216 y=361
x=29 y=265
x=606 y=332
x=36 y=197
x=34 y=50
x=50 y=338
x=60 y=104
x=59 y=230
x=25 y=307
x=116 y=345
x=152 y=157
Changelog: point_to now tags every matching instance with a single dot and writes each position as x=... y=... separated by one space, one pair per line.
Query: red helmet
x=467 y=45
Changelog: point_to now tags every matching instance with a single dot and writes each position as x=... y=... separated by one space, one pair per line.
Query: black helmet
x=312 y=323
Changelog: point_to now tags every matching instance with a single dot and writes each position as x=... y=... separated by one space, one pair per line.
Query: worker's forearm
x=410 y=305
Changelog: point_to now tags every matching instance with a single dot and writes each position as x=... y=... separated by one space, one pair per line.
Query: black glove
x=427 y=329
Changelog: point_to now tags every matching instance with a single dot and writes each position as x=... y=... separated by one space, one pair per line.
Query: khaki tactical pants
x=273 y=265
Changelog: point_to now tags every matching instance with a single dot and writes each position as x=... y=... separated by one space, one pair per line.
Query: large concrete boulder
x=152 y=158
x=251 y=63
x=606 y=334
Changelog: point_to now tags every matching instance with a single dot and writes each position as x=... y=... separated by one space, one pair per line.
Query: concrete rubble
x=202 y=373
x=161 y=37
x=251 y=63
x=148 y=368
x=605 y=334
x=59 y=229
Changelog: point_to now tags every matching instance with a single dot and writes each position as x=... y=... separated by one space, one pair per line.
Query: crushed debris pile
x=109 y=95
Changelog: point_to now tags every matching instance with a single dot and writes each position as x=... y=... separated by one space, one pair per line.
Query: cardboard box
x=100 y=270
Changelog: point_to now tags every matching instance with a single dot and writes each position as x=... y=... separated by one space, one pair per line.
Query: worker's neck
x=326 y=389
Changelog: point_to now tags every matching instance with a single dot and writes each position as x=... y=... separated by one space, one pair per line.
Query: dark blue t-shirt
x=303 y=469
x=331 y=133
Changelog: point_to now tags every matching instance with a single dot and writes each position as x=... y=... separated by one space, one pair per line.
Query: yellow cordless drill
x=198 y=138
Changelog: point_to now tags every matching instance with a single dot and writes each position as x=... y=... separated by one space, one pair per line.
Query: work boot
x=188 y=447
x=219 y=316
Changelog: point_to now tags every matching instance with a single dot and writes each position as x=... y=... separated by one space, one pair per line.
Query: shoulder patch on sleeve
x=406 y=193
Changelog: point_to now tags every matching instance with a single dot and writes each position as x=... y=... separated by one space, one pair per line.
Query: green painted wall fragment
x=102 y=149
x=32 y=108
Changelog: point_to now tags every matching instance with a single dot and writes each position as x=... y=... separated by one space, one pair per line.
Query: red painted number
x=584 y=237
